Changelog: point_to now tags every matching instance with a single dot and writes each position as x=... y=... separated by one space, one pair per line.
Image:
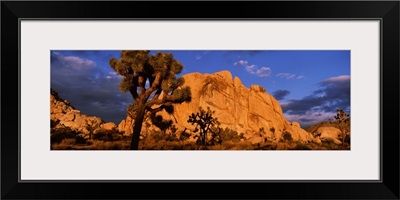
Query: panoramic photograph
x=200 y=100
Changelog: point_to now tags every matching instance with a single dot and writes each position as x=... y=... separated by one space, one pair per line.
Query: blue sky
x=310 y=85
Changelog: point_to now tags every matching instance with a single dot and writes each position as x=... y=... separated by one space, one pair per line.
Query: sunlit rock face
x=251 y=111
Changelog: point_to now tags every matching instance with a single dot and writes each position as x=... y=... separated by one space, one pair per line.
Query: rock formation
x=251 y=111
x=314 y=128
x=62 y=112
x=329 y=134
x=327 y=131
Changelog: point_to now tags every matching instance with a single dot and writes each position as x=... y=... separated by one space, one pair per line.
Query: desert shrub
x=229 y=135
x=60 y=147
x=227 y=145
x=300 y=146
x=54 y=123
x=272 y=130
x=347 y=139
x=108 y=145
x=160 y=136
x=330 y=145
x=171 y=137
x=173 y=129
x=230 y=145
x=157 y=140
x=68 y=141
x=65 y=144
x=282 y=146
x=80 y=140
x=184 y=136
x=216 y=147
x=262 y=89
x=287 y=136
x=107 y=135
x=164 y=145
x=189 y=146
x=167 y=145
x=57 y=135
x=243 y=145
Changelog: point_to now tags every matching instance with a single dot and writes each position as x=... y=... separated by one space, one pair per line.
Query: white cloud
x=79 y=63
x=263 y=72
x=338 y=79
x=240 y=63
x=254 y=69
x=73 y=63
x=112 y=75
x=289 y=76
x=251 y=68
x=200 y=56
x=300 y=77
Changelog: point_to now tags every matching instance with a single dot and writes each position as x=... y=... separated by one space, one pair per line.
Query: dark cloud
x=94 y=53
x=305 y=120
x=309 y=118
x=334 y=93
x=280 y=94
x=89 y=88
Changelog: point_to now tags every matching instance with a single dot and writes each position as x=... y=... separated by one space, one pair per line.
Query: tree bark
x=137 y=127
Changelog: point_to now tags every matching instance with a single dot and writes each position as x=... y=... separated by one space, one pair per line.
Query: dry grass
x=107 y=145
x=160 y=141
x=65 y=144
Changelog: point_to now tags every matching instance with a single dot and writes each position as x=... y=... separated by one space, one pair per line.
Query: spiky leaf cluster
x=342 y=119
x=151 y=80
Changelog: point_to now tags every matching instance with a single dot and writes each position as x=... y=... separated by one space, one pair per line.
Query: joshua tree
x=152 y=82
x=342 y=119
x=204 y=123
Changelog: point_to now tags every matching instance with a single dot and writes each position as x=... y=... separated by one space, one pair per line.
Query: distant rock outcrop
x=314 y=128
x=64 y=114
x=328 y=131
x=251 y=111
x=126 y=126
x=329 y=134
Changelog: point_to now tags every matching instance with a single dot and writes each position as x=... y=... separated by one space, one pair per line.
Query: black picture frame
x=386 y=11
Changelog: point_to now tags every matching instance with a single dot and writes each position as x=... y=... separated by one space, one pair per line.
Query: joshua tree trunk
x=343 y=137
x=137 y=128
